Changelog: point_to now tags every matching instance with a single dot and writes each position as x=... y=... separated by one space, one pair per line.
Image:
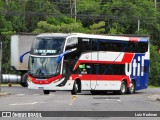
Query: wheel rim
x=132 y=87
x=76 y=87
x=123 y=88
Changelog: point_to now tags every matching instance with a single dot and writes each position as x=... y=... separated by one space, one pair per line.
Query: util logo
x=136 y=68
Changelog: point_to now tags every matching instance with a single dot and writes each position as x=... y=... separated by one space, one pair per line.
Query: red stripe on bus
x=99 y=77
x=133 y=39
x=90 y=77
x=127 y=58
x=45 y=81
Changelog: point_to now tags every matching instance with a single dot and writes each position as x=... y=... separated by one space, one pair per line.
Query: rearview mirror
x=22 y=56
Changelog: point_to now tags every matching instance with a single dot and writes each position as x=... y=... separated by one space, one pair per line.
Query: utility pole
x=71 y=7
x=75 y=10
x=138 y=25
x=7 y=2
x=155 y=4
x=0 y=63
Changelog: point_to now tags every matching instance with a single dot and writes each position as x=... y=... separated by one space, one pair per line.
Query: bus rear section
x=91 y=63
x=125 y=72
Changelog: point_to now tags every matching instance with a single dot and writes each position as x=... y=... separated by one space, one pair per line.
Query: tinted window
x=88 y=44
x=71 y=44
x=119 y=46
x=114 y=69
x=137 y=47
x=115 y=46
x=84 y=44
x=102 y=69
x=47 y=46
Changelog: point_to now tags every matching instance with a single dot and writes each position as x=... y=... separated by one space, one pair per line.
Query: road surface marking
x=73 y=98
x=32 y=103
x=20 y=94
x=36 y=94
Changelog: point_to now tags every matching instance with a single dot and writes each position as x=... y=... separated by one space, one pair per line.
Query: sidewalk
x=4 y=93
x=155 y=97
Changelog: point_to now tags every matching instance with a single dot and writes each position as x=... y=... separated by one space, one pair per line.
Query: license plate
x=40 y=87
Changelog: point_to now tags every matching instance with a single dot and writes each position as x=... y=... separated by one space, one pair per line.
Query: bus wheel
x=94 y=92
x=46 y=92
x=131 y=89
x=75 y=89
x=123 y=88
x=24 y=80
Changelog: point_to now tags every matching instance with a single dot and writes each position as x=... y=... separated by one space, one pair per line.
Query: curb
x=4 y=93
x=155 y=97
x=158 y=99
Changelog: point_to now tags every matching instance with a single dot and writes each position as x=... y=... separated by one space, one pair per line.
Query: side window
x=95 y=45
x=71 y=43
x=64 y=69
x=109 y=45
x=84 y=44
x=84 y=68
x=95 y=68
x=137 y=47
x=114 y=69
x=143 y=47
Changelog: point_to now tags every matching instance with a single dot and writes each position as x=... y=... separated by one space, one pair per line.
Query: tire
x=131 y=89
x=46 y=92
x=94 y=92
x=24 y=80
x=75 y=89
x=53 y=91
x=123 y=88
x=98 y=92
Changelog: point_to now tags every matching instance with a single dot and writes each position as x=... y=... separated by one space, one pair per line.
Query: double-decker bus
x=85 y=62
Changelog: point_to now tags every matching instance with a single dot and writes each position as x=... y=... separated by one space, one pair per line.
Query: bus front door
x=94 y=64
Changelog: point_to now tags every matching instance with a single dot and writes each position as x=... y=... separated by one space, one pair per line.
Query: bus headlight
x=29 y=79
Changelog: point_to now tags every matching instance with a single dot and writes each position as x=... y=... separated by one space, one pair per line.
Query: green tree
x=6 y=29
x=98 y=28
x=154 y=66
x=88 y=11
x=63 y=6
x=15 y=13
x=5 y=33
x=66 y=25
x=38 y=10
x=123 y=15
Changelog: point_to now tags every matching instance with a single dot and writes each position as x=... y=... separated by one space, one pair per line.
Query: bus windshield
x=47 y=46
x=43 y=66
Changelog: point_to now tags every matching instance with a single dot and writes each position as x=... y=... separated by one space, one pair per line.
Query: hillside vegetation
x=86 y=16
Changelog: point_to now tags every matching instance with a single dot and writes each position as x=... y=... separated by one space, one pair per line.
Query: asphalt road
x=22 y=99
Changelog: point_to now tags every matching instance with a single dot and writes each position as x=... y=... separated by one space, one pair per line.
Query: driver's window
x=64 y=69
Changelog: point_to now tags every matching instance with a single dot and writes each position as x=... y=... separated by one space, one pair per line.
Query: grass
x=7 y=84
x=151 y=86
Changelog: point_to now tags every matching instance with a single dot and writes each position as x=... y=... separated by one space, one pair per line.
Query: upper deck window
x=47 y=46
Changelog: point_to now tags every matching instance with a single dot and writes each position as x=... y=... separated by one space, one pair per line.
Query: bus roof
x=131 y=38
x=54 y=35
